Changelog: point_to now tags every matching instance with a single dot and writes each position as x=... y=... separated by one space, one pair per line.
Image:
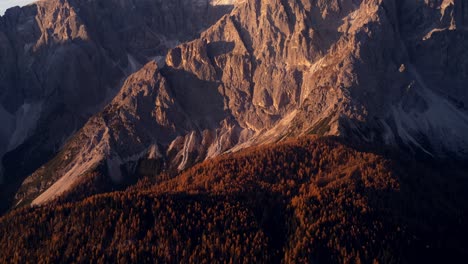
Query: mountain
x=270 y=131
x=64 y=60
x=10 y=3
x=386 y=72
x=299 y=201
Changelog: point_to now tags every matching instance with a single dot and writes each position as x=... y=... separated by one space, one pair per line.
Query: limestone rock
x=383 y=71
x=61 y=61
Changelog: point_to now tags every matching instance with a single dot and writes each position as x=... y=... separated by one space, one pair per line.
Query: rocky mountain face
x=389 y=72
x=64 y=60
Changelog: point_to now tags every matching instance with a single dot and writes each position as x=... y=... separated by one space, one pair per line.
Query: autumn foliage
x=302 y=201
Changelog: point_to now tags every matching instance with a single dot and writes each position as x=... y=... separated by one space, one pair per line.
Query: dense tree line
x=133 y=228
x=301 y=201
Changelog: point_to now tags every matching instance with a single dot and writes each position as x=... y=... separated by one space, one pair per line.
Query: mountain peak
x=272 y=70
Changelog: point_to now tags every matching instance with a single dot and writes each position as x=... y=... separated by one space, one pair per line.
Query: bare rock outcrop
x=382 y=71
x=63 y=60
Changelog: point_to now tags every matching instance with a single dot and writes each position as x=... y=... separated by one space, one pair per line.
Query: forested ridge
x=302 y=201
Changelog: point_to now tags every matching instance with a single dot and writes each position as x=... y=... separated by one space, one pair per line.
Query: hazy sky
x=5 y=4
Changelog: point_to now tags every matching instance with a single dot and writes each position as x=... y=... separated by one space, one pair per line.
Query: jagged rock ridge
x=64 y=60
x=277 y=69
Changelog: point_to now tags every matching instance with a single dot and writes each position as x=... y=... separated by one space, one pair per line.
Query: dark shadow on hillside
x=75 y=76
x=202 y=100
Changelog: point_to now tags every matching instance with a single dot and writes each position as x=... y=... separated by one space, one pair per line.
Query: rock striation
x=388 y=72
x=63 y=60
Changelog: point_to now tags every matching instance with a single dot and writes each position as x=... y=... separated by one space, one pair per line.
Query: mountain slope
x=64 y=60
x=303 y=200
x=278 y=69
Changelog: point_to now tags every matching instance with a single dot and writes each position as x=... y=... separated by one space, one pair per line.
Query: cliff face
x=380 y=71
x=64 y=60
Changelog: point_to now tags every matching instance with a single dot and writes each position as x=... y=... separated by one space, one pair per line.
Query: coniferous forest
x=302 y=201
x=234 y=131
